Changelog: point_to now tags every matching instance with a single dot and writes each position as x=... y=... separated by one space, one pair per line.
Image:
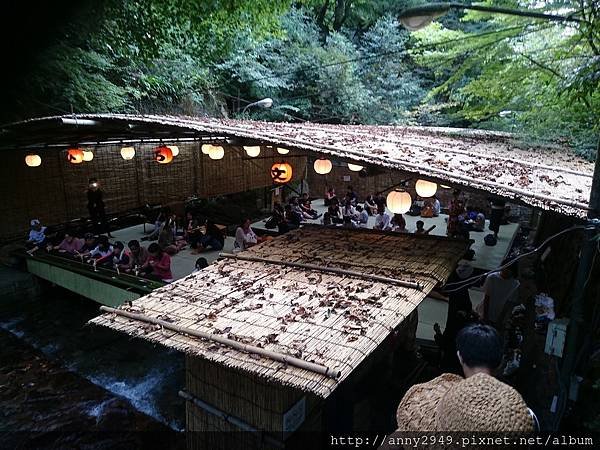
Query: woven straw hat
x=482 y=403
x=416 y=411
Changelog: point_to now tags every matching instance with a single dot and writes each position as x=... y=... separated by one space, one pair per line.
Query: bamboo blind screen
x=55 y=192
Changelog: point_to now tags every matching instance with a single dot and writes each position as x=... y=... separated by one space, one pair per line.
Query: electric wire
x=470 y=280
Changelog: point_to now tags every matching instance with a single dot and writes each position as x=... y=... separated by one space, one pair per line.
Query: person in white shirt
x=363 y=217
x=245 y=237
x=382 y=220
x=501 y=291
x=437 y=207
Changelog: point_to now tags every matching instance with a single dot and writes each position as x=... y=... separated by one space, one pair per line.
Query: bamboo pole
x=286 y=359
x=352 y=273
x=242 y=425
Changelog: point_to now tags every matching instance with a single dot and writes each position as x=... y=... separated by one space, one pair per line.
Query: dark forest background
x=335 y=61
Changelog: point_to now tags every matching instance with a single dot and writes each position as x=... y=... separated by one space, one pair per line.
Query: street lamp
x=264 y=103
x=419 y=17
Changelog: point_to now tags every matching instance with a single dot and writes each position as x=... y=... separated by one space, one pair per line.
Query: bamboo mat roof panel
x=549 y=177
x=332 y=319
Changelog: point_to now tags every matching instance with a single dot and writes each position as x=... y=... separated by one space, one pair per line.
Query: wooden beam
x=338 y=271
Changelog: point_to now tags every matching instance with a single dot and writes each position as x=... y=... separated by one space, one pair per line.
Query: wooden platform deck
x=486 y=257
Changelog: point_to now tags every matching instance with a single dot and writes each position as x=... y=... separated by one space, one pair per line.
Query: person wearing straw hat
x=476 y=403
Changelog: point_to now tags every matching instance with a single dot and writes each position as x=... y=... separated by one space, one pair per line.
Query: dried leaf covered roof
x=334 y=320
x=550 y=178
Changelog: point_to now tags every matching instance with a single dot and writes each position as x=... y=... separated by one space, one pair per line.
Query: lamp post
x=264 y=103
x=419 y=17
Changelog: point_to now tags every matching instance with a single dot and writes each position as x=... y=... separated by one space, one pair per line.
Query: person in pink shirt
x=70 y=245
x=159 y=262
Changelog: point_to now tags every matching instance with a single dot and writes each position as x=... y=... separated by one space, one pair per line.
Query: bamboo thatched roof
x=550 y=178
x=335 y=320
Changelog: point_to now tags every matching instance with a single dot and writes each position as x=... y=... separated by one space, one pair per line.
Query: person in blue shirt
x=37 y=236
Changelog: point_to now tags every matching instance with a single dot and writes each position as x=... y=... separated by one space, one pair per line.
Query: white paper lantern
x=282 y=151
x=216 y=152
x=322 y=166
x=399 y=202
x=174 y=149
x=425 y=188
x=88 y=155
x=355 y=167
x=206 y=148
x=33 y=160
x=127 y=153
x=252 y=151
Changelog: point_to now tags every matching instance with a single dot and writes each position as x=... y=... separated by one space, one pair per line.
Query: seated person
x=37 y=236
x=191 y=229
x=348 y=210
x=167 y=239
x=329 y=196
x=278 y=218
x=292 y=218
x=70 y=245
x=362 y=217
x=421 y=228
x=138 y=257
x=348 y=222
x=245 y=237
x=212 y=239
x=306 y=207
x=161 y=219
x=326 y=220
x=479 y=223
x=201 y=263
x=415 y=207
x=297 y=209
x=335 y=214
x=351 y=196
x=437 y=206
x=382 y=220
x=398 y=224
x=119 y=256
x=101 y=253
x=370 y=206
x=427 y=210
x=158 y=265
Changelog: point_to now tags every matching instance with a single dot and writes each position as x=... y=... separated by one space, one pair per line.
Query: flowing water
x=147 y=376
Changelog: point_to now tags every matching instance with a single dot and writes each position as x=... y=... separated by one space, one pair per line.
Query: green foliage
x=340 y=61
x=518 y=74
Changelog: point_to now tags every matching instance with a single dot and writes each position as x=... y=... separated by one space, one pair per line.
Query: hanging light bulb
x=33 y=160
x=127 y=152
x=88 y=155
x=252 y=151
x=206 y=148
x=355 y=167
x=425 y=188
x=322 y=166
x=216 y=152
x=174 y=149
x=282 y=151
x=399 y=202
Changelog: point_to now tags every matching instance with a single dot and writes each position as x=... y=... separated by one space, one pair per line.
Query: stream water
x=147 y=376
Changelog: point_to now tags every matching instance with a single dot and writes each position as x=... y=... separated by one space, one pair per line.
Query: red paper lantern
x=281 y=173
x=75 y=155
x=163 y=154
